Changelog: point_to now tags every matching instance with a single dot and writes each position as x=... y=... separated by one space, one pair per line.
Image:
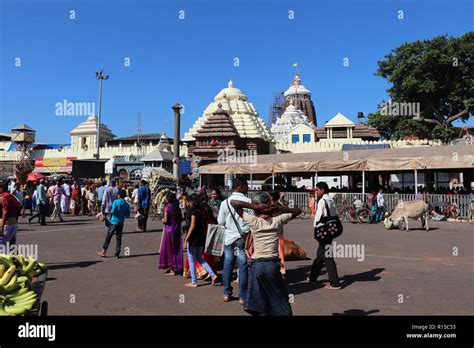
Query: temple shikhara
x=230 y=103
x=217 y=134
x=300 y=97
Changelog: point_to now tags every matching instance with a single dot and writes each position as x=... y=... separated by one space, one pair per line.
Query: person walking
x=28 y=191
x=267 y=290
x=135 y=198
x=10 y=209
x=110 y=194
x=195 y=240
x=57 y=192
x=92 y=199
x=234 y=249
x=171 y=250
x=380 y=206
x=144 y=199
x=66 y=198
x=75 y=199
x=41 y=200
x=324 y=253
x=119 y=211
x=100 y=194
x=373 y=207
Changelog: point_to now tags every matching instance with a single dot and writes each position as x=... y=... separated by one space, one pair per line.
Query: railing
x=462 y=202
x=301 y=199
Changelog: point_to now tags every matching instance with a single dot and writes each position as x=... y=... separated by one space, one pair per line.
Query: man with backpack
x=326 y=208
x=10 y=209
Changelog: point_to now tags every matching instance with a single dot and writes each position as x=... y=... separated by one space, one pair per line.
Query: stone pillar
x=177 y=130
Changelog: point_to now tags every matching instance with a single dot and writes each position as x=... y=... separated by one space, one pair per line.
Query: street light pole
x=100 y=76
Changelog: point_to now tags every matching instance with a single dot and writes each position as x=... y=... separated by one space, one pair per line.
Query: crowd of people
x=262 y=288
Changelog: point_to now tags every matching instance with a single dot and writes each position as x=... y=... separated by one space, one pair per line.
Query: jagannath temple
x=291 y=118
x=232 y=111
x=299 y=96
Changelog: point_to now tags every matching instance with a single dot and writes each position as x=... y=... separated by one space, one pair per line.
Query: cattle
x=407 y=209
x=293 y=251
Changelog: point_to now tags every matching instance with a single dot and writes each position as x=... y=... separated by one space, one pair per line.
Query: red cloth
x=11 y=205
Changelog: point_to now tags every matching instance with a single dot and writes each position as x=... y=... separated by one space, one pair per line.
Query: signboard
x=54 y=162
x=54 y=165
x=67 y=169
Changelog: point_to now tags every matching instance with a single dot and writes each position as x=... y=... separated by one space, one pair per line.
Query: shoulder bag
x=331 y=228
x=246 y=237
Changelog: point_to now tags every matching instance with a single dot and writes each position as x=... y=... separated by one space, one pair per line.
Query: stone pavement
x=402 y=273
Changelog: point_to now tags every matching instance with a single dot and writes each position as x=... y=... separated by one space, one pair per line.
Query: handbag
x=246 y=237
x=331 y=228
x=215 y=240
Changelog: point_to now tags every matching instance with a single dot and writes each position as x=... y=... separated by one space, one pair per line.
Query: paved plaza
x=402 y=273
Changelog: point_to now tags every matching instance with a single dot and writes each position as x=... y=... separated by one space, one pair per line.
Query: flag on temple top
x=295 y=65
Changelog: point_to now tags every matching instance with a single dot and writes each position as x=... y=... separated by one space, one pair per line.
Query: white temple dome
x=89 y=126
x=243 y=114
x=230 y=93
x=297 y=88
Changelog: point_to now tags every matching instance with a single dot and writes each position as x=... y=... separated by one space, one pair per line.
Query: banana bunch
x=25 y=266
x=16 y=294
x=17 y=303
x=28 y=266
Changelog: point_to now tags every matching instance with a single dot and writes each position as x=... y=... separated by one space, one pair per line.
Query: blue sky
x=191 y=60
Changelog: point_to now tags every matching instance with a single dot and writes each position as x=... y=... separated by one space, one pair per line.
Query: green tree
x=437 y=74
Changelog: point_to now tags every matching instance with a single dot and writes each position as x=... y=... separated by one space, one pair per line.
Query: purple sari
x=171 y=253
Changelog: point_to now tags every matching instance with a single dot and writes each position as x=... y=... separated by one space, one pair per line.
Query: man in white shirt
x=323 y=256
x=380 y=206
x=234 y=244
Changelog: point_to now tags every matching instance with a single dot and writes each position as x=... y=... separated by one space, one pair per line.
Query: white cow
x=407 y=209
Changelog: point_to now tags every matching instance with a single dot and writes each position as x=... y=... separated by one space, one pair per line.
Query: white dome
x=243 y=114
x=230 y=93
x=297 y=88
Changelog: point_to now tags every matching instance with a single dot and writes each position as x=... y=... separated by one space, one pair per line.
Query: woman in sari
x=171 y=250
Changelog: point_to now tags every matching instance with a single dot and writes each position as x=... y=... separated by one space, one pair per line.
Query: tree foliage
x=437 y=74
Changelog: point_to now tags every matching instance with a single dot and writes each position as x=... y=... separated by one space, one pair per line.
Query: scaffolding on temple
x=276 y=109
